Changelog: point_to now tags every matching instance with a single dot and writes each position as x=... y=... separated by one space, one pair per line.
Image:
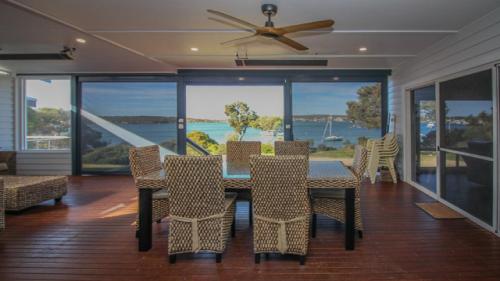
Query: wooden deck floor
x=90 y=237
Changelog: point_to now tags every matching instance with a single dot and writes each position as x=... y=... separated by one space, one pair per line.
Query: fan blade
x=226 y=16
x=294 y=44
x=238 y=40
x=232 y=24
x=307 y=26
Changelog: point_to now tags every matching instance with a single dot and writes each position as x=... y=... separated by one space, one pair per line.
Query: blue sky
x=130 y=99
x=324 y=98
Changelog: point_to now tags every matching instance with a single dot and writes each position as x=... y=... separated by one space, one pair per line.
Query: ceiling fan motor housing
x=269 y=10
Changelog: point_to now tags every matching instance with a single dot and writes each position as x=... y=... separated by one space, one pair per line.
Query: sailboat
x=328 y=129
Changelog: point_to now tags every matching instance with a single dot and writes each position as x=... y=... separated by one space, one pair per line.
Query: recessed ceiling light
x=363 y=49
x=241 y=78
x=81 y=40
x=194 y=49
x=336 y=78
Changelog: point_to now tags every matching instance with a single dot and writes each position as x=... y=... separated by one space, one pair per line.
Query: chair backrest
x=240 y=151
x=360 y=161
x=279 y=186
x=195 y=185
x=292 y=148
x=144 y=160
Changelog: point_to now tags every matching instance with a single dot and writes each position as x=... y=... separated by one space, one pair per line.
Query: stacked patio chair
x=145 y=160
x=201 y=213
x=292 y=148
x=382 y=153
x=281 y=205
x=331 y=203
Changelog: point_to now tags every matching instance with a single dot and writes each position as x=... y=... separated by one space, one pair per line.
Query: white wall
x=6 y=113
x=43 y=163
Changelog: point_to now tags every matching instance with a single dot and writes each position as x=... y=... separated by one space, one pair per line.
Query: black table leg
x=349 y=219
x=145 y=219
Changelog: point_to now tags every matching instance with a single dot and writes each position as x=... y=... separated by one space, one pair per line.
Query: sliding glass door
x=424 y=154
x=117 y=115
x=467 y=144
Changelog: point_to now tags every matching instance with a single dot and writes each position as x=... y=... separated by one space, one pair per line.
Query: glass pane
x=467 y=182
x=216 y=114
x=424 y=137
x=334 y=117
x=117 y=115
x=48 y=114
x=467 y=110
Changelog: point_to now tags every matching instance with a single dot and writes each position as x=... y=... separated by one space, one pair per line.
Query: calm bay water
x=219 y=131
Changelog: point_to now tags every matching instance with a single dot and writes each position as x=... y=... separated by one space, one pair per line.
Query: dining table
x=323 y=174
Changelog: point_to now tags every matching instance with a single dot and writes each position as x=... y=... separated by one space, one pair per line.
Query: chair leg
x=302 y=260
x=172 y=259
x=314 y=225
x=137 y=234
x=218 y=258
x=57 y=200
x=257 y=258
x=250 y=213
x=233 y=227
x=360 y=234
x=158 y=221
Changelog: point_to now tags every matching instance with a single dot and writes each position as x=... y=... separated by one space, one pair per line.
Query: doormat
x=439 y=211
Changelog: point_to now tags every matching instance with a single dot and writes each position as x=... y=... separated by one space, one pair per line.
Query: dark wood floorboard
x=90 y=236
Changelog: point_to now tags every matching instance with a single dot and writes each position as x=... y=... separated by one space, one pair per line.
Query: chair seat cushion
x=331 y=193
x=160 y=194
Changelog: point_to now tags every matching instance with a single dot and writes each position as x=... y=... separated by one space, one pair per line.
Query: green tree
x=240 y=117
x=48 y=122
x=268 y=123
x=366 y=111
x=204 y=140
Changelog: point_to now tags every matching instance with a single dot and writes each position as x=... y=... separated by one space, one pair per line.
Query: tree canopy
x=204 y=140
x=240 y=117
x=366 y=111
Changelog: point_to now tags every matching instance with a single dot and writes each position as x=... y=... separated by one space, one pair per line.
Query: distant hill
x=140 y=119
x=201 y=120
x=319 y=117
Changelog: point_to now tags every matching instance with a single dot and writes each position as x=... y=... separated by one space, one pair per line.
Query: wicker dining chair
x=331 y=203
x=201 y=213
x=281 y=205
x=240 y=151
x=145 y=160
x=297 y=147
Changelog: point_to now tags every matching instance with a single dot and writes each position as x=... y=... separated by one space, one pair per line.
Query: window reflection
x=118 y=115
x=468 y=184
x=467 y=108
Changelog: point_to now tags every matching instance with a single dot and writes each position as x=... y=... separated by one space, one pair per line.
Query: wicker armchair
x=332 y=203
x=2 y=205
x=144 y=160
x=292 y=148
x=281 y=205
x=240 y=151
x=201 y=213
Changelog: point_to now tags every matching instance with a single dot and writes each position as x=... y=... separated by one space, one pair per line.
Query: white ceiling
x=156 y=35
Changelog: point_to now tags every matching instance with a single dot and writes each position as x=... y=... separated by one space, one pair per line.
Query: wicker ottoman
x=22 y=192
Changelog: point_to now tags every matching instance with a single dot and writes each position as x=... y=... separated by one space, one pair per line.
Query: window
x=47 y=113
x=216 y=114
x=117 y=115
x=335 y=116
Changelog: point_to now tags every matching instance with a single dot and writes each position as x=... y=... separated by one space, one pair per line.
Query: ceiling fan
x=269 y=31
